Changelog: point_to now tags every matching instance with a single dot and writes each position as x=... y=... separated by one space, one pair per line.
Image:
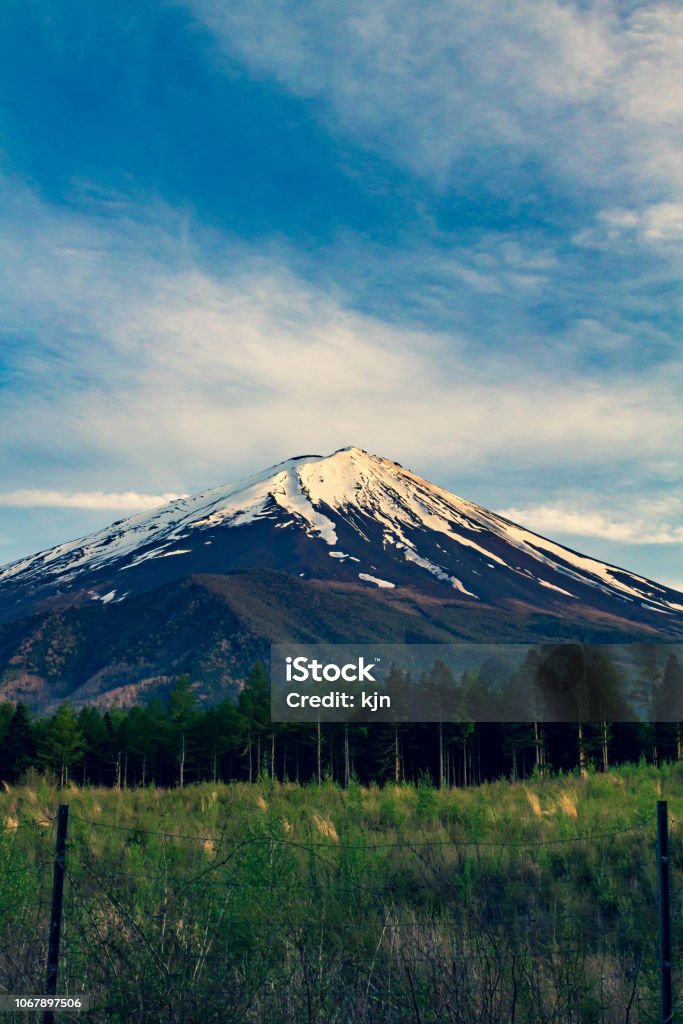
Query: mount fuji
x=345 y=547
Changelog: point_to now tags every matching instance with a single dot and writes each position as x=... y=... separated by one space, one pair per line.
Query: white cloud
x=148 y=370
x=654 y=224
x=126 y=501
x=663 y=222
x=552 y=519
x=592 y=90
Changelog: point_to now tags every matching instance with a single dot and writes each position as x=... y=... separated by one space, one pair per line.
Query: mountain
x=350 y=547
x=350 y=517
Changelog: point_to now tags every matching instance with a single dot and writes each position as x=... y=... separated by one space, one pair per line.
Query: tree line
x=175 y=741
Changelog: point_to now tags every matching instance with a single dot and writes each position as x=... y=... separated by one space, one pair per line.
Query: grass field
x=532 y=902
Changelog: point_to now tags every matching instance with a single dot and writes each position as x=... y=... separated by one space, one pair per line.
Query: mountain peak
x=351 y=517
x=353 y=451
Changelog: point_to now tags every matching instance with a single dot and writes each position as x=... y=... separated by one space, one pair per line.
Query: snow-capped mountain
x=350 y=517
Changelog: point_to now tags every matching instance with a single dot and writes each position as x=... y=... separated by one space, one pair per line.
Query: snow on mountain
x=351 y=516
x=235 y=504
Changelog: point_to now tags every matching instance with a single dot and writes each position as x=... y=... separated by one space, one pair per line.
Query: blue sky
x=449 y=232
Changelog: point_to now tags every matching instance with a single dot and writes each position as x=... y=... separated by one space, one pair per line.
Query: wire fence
x=267 y=927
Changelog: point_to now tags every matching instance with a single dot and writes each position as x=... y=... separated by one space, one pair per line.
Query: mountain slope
x=351 y=518
x=215 y=627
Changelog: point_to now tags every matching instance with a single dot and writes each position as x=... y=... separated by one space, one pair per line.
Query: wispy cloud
x=564 y=116
x=655 y=228
x=126 y=501
x=553 y=519
x=591 y=90
x=162 y=369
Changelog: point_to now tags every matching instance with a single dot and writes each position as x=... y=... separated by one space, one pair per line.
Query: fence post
x=667 y=1013
x=56 y=912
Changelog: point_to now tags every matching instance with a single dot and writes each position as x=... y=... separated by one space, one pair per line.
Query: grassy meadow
x=527 y=903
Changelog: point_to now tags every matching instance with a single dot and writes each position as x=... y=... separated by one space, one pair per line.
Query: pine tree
x=182 y=707
x=668 y=703
x=63 y=743
x=254 y=709
x=441 y=689
x=6 y=713
x=18 y=749
x=98 y=747
x=607 y=700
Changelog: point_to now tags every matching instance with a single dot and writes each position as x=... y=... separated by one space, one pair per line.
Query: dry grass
x=568 y=805
x=464 y=889
x=325 y=827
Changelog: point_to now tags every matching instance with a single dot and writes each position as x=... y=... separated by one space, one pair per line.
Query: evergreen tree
x=254 y=710
x=182 y=709
x=98 y=747
x=607 y=701
x=384 y=760
x=63 y=743
x=163 y=742
x=141 y=741
x=441 y=692
x=18 y=749
x=6 y=712
x=216 y=739
x=668 y=706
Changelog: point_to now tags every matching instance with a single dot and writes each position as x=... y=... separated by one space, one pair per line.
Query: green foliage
x=259 y=903
x=178 y=741
x=6 y=713
x=182 y=704
x=17 y=748
x=63 y=743
x=427 y=801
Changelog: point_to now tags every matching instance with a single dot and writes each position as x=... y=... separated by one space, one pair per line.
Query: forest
x=176 y=741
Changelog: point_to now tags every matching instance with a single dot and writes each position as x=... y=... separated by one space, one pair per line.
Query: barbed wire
x=402 y=844
x=26 y=868
x=333 y=887
x=366 y=961
x=32 y=823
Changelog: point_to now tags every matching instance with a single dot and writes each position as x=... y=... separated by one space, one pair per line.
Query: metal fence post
x=56 y=912
x=667 y=1013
